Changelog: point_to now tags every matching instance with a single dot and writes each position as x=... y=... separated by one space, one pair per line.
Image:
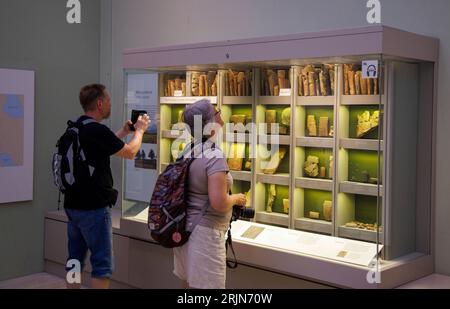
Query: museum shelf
x=360 y=100
x=316 y=226
x=277 y=179
x=360 y=188
x=272 y=100
x=361 y=144
x=236 y=100
x=316 y=101
x=313 y=183
x=241 y=175
x=318 y=142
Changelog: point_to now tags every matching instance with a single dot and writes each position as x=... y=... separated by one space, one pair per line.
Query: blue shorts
x=91 y=229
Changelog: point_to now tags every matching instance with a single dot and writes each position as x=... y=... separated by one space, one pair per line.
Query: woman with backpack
x=201 y=262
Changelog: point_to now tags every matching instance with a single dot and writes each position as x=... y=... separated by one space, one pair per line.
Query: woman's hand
x=239 y=199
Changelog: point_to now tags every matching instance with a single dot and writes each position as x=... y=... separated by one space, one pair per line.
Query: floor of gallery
x=47 y=281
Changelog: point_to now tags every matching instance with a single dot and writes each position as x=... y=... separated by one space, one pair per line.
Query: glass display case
x=330 y=151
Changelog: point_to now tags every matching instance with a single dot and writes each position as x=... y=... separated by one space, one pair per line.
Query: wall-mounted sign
x=16 y=135
x=370 y=69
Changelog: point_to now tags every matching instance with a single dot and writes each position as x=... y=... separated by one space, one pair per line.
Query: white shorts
x=202 y=260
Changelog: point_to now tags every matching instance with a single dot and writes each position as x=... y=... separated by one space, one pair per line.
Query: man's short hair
x=89 y=95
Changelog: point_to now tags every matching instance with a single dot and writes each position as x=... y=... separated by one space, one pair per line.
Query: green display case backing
x=360 y=161
x=314 y=201
x=283 y=168
x=279 y=109
x=366 y=209
x=324 y=159
x=356 y=110
x=282 y=193
x=320 y=112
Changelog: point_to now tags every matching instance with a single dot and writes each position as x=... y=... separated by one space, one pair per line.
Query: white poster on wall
x=16 y=135
x=141 y=173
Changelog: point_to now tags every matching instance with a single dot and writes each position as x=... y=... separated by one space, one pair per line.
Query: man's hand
x=127 y=127
x=125 y=130
x=142 y=123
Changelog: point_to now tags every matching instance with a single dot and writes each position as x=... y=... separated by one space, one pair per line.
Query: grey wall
x=34 y=35
x=153 y=23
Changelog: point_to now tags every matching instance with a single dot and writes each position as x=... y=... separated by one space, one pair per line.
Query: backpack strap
x=205 y=207
x=87 y=121
x=197 y=219
x=76 y=126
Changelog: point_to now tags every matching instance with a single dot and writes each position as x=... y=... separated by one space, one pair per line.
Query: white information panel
x=141 y=173
x=339 y=249
x=16 y=135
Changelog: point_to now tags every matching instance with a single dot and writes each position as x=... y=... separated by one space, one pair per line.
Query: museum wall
x=153 y=23
x=34 y=35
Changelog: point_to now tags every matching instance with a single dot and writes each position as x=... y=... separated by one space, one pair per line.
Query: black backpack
x=70 y=168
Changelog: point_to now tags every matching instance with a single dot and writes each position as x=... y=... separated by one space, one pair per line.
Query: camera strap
x=229 y=244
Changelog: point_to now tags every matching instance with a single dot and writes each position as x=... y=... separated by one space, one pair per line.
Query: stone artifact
x=286 y=206
x=314 y=215
x=325 y=86
x=369 y=86
x=317 y=82
x=272 y=166
x=323 y=126
x=235 y=119
x=276 y=90
x=270 y=75
x=305 y=85
x=281 y=78
x=236 y=156
x=365 y=176
x=367 y=122
x=311 y=83
x=327 y=210
x=271 y=197
x=248 y=197
x=175 y=151
x=286 y=117
x=354 y=83
x=374 y=119
x=332 y=80
x=373 y=180
x=183 y=89
x=312 y=166
x=351 y=82
x=180 y=125
x=363 y=82
x=271 y=117
x=285 y=121
x=323 y=172
x=212 y=83
x=363 y=125
x=311 y=124
x=248 y=165
x=358 y=78
x=174 y=84
x=195 y=80
x=346 y=83
x=201 y=85
x=375 y=86
x=330 y=170
x=362 y=226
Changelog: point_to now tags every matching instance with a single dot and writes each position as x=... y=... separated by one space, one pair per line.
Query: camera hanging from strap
x=233 y=264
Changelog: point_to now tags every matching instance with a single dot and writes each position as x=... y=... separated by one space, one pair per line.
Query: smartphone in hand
x=135 y=113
